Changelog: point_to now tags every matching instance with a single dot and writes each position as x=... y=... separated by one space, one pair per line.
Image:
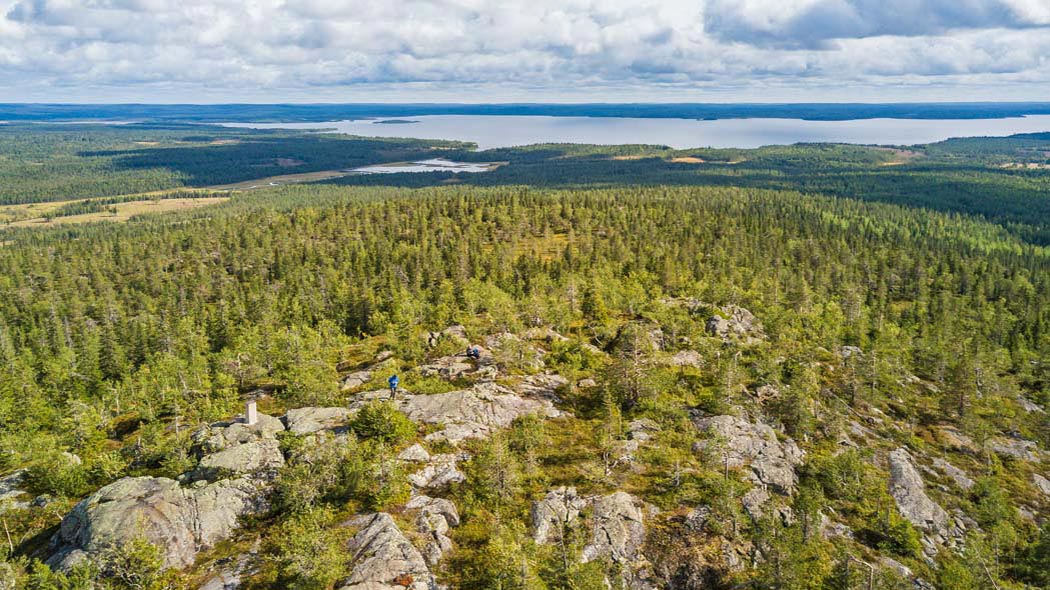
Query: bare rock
x=472 y=413
x=10 y=490
x=908 y=491
x=441 y=472
x=414 y=454
x=586 y=383
x=310 y=420
x=383 y=559
x=448 y=367
x=1015 y=448
x=220 y=435
x=356 y=379
x=772 y=462
x=434 y=516
x=258 y=457
x=541 y=385
x=180 y=521
x=734 y=321
x=559 y=509
x=618 y=529
x=686 y=358
x=1030 y=406
x=1041 y=483
x=642 y=429
x=957 y=475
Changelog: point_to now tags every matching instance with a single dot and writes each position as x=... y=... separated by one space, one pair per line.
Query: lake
x=493 y=131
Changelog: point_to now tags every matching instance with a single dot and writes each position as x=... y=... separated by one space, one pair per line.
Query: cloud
x=474 y=50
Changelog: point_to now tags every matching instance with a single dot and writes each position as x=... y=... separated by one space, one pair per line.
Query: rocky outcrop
x=356 y=379
x=465 y=414
x=383 y=559
x=179 y=520
x=741 y=443
x=256 y=457
x=734 y=322
x=618 y=534
x=239 y=448
x=1014 y=448
x=221 y=435
x=559 y=509
x=414 y=454
x=450 y=367
x=310 y=420
x=542 y=386
x=10 y=490
x=957 y=475
x=908 y=491
x=1041 y=483
x=434 y=517
x=686 y=358
x=617 y=527
x=440 y=472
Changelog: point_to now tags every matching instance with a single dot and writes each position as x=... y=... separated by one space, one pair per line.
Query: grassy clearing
x=124 y=211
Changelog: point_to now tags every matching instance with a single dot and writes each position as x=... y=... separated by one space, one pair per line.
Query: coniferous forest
x=805 y=367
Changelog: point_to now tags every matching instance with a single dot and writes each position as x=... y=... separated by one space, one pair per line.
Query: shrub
x=381 y=421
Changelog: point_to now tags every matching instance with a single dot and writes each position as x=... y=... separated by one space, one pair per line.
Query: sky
x=524 y=50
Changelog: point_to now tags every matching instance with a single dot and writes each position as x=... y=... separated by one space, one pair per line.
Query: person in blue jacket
x=393 y=382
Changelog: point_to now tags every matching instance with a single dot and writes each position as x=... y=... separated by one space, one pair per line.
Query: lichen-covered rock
x=448 y=367
x=441 y=472
x=310 y=420
x=734 y=321
x=383 y=559
x=1041 y=483
x=618 y=529
x=434 y=516
x=414 y=454
x=220 y=435
x=541 y=386
x=557 y=510
x=686 y=358
x=258 y=457
x=356 y=379
x=908 y=491
x=180 y=521
x=465 y=414
x=10 y=490
x=771 y=461
x=1015 y=448
x=957 y=475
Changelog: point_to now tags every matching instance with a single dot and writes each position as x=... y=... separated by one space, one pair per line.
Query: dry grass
x=124 y=211
x=688 y=160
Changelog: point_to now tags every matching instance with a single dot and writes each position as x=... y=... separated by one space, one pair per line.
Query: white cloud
x=476 y=50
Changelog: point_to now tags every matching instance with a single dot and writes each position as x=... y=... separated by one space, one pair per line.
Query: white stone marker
x=251 y=414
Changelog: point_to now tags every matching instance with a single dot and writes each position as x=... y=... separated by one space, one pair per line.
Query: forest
x=805 y=367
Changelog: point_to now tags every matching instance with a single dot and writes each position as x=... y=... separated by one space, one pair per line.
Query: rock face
x=434 y=516
x=618 y=529
x=559 y=508
x=908 y=491
x=772 y=462
x=310 y=420
x=383 y=559
x=181 y=521
x=468 y=413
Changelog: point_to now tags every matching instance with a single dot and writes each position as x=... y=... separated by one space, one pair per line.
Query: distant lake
x=493 y=131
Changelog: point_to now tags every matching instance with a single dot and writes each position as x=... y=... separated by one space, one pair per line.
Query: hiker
x=473 y=352
x=393 y=381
